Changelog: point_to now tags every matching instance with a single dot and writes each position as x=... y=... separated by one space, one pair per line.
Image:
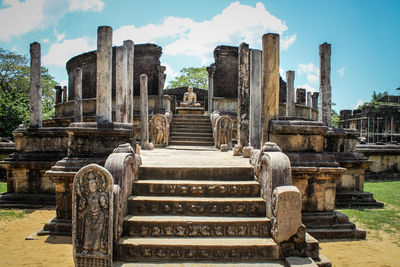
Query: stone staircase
x=191 y=130
x=175 y=216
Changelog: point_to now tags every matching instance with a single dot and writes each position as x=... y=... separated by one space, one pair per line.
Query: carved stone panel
x=159 y=129
x=223 y=131
x=92 y=213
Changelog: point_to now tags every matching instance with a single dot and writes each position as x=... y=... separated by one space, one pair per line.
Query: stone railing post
x=272 y=169
x=92 y=217
x=35 y=91
x=270 y=83
x=78 y=95
x=103 y=75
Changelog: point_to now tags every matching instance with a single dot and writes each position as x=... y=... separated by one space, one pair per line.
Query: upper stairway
x=201 y=206
x=191 y=130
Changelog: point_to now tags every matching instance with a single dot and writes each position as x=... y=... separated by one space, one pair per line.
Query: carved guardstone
x=223 y=131
x=92 y=213
x=159 y=129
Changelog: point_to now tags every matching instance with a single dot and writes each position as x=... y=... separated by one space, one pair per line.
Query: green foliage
x=335 y=118
x=374 y=100
x=14 y=91
x=192 y=76
x=386 y=219
x=3 y=187
x=10 y=215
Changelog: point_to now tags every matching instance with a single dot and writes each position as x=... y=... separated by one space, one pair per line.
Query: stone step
x=196 y=206
x=189 y=122
x=196 y=226
x=330 y=234
x=196 y=249
x=194 y=137
x=184 y=134
x=190 y=116
x=188 y=126
x=191 y=131
x=222 y=173
x=196 y=188
x=191 y=143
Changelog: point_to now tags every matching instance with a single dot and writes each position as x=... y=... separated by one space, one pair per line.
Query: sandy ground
x=57 y=251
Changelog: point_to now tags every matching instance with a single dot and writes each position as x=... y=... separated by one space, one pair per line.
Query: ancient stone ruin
x=186 y=201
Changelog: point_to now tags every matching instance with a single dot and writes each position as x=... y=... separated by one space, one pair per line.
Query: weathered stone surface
x=286 y=212
x=223 y=131
x=159 y=129
x=92 y=223
x=104 y=68
x=255 y=99
x=314 y=99
x=161 y=82
x=213 y=117
x=300 y=262
x=130 y=46
x=272 y=169
x=123 y=166
x=78 y=95
x=270 y=82
x=301 y=96
x=144 y=112
x=189 y=99
x=290 y=107
x=121 y=83
x=243 y=94
x=237 y=150
x=59 y=92
x=247 y=150
x=226 y=72
x=65 y=94
x=35 y=91
x=325 y=83
x=224 y=148
x=211 y=72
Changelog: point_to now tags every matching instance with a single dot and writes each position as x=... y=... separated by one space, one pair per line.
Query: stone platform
x=190 y=110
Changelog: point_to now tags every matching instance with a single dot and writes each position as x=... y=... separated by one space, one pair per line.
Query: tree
x=192 y=76
x=374 y=100
x=14 y=91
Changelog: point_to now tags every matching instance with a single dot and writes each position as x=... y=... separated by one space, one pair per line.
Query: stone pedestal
x=190 y=110
x=88 y=143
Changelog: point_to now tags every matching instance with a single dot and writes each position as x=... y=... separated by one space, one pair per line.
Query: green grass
x=386 y=219
x=9 y=215
x=3 y=187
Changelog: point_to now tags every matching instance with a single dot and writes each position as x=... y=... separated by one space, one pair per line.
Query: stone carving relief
x=223 y=131
x=92 y=216
x=159 y=129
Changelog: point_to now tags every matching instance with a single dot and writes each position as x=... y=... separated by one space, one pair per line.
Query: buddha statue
x=189 y=99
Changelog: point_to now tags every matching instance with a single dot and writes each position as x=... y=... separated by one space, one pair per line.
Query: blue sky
x=365 y=35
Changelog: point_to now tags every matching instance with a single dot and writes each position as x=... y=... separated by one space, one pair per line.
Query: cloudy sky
x=365 y=35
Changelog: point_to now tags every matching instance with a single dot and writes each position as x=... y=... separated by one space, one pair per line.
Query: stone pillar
x=121 y=83
x=64 y=94
x=144 y=112
x=211 y=72
x=325 y=83
x=255 y=98
x=270 y=83
x=314 y=98
x=78 y=95
x=309 y=105
x=161 y=83
x=103 y=75
x=35 y=91
x=243 y=95
x=290 y=107
x=130 y=46
x=59 y=92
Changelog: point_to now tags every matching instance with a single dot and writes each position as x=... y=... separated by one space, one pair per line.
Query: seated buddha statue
x=189 y=99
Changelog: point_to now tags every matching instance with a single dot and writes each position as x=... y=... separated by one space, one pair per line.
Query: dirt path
x=57 y=251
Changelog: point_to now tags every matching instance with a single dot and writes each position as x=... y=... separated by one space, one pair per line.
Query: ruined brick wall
x=226 y=72
x=146 y=61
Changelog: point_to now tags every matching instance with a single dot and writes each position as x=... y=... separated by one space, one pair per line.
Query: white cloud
x=341 y=71
x=19 y=17
x=359 y=103
x=64 y=83
x=45 y=40
x=60 y=37
x=59 y=53
x=312 y=78
x=237 y=23
x=85 y=5
x=307 y=68
x=281 y=72
x=308 y=87
x=171 y=74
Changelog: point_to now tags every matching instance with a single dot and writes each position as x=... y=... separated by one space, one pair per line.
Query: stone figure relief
x=159 y=130
x=223 y=131
x=92 y=216
x=189 y=99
